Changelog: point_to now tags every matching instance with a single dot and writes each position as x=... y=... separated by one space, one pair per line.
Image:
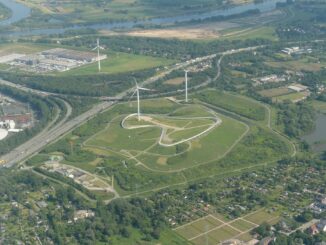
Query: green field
x=23 y=48
x=296 y=96
x=120 y=63
x=275 y=92
x=260 y=217
x=214 y=230
x=234 y=103
x=143 y=144
x=116 y=62
x=140 y=164
x=266 y=32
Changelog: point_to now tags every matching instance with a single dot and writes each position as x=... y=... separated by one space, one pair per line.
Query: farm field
x=215 y=229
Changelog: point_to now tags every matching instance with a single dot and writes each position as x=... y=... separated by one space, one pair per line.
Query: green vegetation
x=125 y=141
x=142 y=167
x=302 y=64
x=121 y=63
x=85 y=85
x=239 y=179
x=294 y=97
x=234 y=103
x=320 y=106
x=108 y=11
x=266 y=32
x=296 y=119
x=24 y=47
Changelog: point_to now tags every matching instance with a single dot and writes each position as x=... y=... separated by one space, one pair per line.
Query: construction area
x=52 y=60
x=81 y=177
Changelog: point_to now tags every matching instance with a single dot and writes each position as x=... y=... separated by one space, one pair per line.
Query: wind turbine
x=138 y=88
x=98 y=47
x=186 y=84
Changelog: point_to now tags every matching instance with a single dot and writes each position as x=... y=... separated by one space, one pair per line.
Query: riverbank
x=21 y=12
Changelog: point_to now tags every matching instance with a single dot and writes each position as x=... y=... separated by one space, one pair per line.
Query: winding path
x=218 y=121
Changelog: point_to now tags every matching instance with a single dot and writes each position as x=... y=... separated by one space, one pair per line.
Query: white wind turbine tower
x=138 y=88
x=98 y=47
x=186 y=84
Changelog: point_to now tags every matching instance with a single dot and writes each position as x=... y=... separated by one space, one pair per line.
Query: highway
x=53 y=132
x=48 y=135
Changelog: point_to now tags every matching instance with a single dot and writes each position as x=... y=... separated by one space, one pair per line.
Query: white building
x=3 y=133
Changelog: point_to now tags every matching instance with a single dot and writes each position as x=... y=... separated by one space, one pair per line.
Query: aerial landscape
x=163 y=122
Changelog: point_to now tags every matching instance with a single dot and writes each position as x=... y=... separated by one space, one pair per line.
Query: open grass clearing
x=223 y=233
x=266 y=32
x=23 y=48
x=234 y=103
x=260 y=217
x=243 y=225
x=121 y=63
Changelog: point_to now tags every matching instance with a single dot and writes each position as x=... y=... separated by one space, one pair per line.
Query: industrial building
x=86 y=57
x=52 y=60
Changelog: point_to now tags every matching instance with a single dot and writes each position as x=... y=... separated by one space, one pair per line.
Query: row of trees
x=86 y=85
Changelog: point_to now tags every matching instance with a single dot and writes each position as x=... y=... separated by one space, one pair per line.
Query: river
x=317 y=138
x=20 y=12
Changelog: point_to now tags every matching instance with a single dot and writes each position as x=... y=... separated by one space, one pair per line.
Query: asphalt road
x=48 y=135
x=53 y=132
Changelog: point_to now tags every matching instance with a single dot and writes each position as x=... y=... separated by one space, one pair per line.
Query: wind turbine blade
x=146 y=89
x=101 y=47
x=132 y=95
x=94 y=48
